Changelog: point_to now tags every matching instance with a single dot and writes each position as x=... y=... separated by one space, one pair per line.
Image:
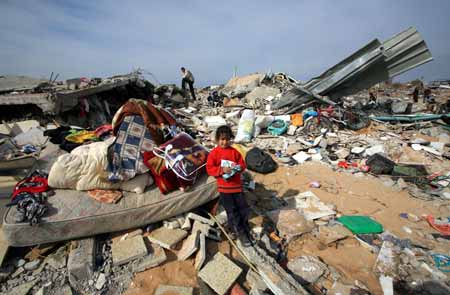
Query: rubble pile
x=348 y=182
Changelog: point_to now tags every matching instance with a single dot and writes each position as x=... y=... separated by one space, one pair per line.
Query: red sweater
x=213 y=167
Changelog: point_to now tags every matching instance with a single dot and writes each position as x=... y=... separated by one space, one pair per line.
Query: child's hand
x=226 y=170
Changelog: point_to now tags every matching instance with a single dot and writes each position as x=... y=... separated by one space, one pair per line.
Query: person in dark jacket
x=188 y=78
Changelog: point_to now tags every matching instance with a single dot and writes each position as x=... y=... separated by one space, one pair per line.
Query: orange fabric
x=444 y=229
x=297 y=119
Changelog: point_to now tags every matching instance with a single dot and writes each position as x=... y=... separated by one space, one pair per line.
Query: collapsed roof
x=373 y=63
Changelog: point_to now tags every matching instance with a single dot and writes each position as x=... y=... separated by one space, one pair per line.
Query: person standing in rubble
x=188 y=78
x=226 y=164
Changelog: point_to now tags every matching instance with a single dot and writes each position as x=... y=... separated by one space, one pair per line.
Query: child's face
x=223 y=141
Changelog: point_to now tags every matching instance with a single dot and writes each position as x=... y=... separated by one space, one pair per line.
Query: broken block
x=174 y=290
x=155 y=258
x=3 y=247
x=307 y=268
x=197 y=217
x=167 y=238
x=127 y=250
x=190 y=245
x=220 y=273
x=81 y=262
x=201 y=254
x=207 y=230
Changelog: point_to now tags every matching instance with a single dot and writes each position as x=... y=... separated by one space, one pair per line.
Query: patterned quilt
x=125 y=155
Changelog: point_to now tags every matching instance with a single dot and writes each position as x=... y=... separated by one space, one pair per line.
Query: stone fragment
x=290 y=223
x=22 y=289
x=81 y=262
x=255 y=281
x=100 y=281
x=5 y=272
x=20 y=263
x=301 y=157
x=190 y=245
x=358 y=150
x=207 y=230
x=32 y=265
x=171 y=224
x=128 y=250
x=330 y=234
x=3 y=247
x=201 y=254
x=342 y=153
x=307 y=268
x=376 y=149
x=202 y=219
x=58 y=259
x=187 y=224
x=167 y=238
x=18 y=272
x=291 y=130
x=205 y=289
x=40 y=291
x=174 y=290
x=220 y=273
x=156 y=257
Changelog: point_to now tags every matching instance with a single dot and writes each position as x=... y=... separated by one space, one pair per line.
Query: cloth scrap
x=82 y=136
x=441 y=226
x=105 y=196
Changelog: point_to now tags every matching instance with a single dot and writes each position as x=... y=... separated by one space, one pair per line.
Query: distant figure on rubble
x=415 y=94
x=188 y=78
x=226 y=164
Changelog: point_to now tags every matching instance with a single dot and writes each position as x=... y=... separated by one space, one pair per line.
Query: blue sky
x=302 y=38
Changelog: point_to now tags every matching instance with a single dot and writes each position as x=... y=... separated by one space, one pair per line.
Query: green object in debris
x=361 y=224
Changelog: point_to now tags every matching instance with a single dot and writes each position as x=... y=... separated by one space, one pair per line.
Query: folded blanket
x=125 y=155
x=155 y=119
x=85 y=169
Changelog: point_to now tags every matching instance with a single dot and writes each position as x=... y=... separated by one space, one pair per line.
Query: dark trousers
x=185 y=81
x=237 y=211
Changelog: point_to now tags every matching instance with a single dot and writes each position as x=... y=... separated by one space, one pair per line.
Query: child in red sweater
x=226 y=164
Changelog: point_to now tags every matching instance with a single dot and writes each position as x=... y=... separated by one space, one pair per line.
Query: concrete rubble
x=367 y=149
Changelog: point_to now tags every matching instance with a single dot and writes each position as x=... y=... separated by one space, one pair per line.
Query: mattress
x=73 y=214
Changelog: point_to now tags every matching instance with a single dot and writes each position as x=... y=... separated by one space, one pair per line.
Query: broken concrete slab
x=273 y=275
x=174 y=290
x=32 y=265
x=128 y=250
x=58 y=259
x=207 y=230
x=342 y=153
x=201 y=254
x=167 y=238
x=376 y=149
x=101 y=280
x=23 y=289
x=330 y=234
x=123 y=235
x=310 y=205
x=220 y=273
x=202 y=219
x=307 y=268
x=81 y=262
x=156 y=257
x=290 y=223
x=3 y=247
x=190 y=245
x=261 y=92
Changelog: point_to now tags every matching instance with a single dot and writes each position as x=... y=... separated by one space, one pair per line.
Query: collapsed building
x=333 y=210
